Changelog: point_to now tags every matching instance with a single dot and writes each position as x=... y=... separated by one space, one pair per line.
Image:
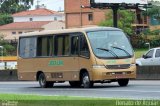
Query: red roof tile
x=24 y=25
x=41 y=11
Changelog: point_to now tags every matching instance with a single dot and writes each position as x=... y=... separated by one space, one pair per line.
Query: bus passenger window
x=74 y=45
x=45 y=46
x=62 y=45
x=84 y=50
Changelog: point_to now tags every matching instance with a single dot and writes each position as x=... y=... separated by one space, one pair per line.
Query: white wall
x=39 y=18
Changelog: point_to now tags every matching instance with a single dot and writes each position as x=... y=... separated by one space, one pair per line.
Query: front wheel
x=86 y=80
x=43 y=83
x=123 y=82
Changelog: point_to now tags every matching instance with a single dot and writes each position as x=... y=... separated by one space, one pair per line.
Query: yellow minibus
x=82 y=56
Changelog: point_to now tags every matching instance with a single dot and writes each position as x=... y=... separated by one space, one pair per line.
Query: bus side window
x=45 y=46
x=74 y=45
x=62 y=43
x=84 y=50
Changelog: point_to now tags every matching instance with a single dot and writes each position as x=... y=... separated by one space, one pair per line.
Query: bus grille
x=121 y=66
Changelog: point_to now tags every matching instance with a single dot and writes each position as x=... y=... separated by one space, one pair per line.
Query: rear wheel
x=86 y=80
x=75 y=83
x=123 y=82
x=43 y=83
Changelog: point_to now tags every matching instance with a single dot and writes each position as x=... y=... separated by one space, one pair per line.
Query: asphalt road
x=135 y=90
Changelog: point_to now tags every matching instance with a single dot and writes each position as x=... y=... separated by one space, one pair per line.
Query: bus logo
x=55 y=63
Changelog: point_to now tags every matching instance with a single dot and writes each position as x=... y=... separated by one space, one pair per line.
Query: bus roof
x=87 y=29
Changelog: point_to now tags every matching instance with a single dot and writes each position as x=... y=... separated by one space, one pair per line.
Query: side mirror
x=144 y=56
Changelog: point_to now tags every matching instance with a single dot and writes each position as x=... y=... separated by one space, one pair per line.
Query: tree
x=13 y=6
x=153 y=12
x=8 y=7
x=125 y=20
x=5 y=19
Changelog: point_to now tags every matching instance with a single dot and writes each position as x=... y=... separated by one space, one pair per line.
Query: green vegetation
x=8 y=49
x=38 y=97
x=8 y=7
x=154 y=11
x=5 y=19
x=140 y=52
x=36 y=100
x=13 y=6
x=125 y=18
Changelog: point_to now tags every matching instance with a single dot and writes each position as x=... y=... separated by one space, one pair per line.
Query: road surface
x=137 y=89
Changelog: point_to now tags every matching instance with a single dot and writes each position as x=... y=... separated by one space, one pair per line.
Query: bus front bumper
x=101 y=74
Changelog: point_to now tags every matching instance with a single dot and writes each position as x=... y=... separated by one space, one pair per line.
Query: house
x=32 y=20
x=40 y=14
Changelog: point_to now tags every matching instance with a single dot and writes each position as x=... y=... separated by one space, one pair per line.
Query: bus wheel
x=86 y=81
x=123 y=82
x=43 y=83
x=75 y=83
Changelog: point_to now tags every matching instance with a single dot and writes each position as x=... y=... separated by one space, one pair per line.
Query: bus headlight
x=98 y=66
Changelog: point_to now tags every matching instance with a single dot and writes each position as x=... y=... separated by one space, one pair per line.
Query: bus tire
x=75 y=83
x=86 y=80
x=123 y=82
x=43 y=83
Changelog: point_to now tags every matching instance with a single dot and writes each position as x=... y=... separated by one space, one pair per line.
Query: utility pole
x=115 y=18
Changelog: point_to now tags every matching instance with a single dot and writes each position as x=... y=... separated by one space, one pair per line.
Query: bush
x=139 y=41
x=8 y=49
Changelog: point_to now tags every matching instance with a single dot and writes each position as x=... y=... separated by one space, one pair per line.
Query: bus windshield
x=110 y=44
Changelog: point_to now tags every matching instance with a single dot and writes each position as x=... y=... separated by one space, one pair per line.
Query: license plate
x=120 y=76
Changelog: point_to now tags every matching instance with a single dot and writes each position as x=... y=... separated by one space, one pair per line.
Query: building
x=141 y=22
x=13 y=30
x=77 y=16
x=32 y=20
x=41 y=14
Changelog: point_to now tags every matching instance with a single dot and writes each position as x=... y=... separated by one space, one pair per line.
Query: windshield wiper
x=110 y=51
x=122 y=50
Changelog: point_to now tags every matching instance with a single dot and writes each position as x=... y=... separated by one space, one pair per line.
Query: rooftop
x=24 y=25
x=41 y=11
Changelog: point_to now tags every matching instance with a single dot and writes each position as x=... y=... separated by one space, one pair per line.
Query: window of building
x=62 y=45
x=45 y=46
x=27 y=47
x=55 y=18
x=90 y=17
x=19 y=32
x=13 y=33
x=30 y=19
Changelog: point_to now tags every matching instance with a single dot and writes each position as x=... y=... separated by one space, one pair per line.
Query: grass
x=37 y=100
x=140 y=52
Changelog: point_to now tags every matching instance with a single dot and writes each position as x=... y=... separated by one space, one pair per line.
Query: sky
x=51 y=4
x=54 y=4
